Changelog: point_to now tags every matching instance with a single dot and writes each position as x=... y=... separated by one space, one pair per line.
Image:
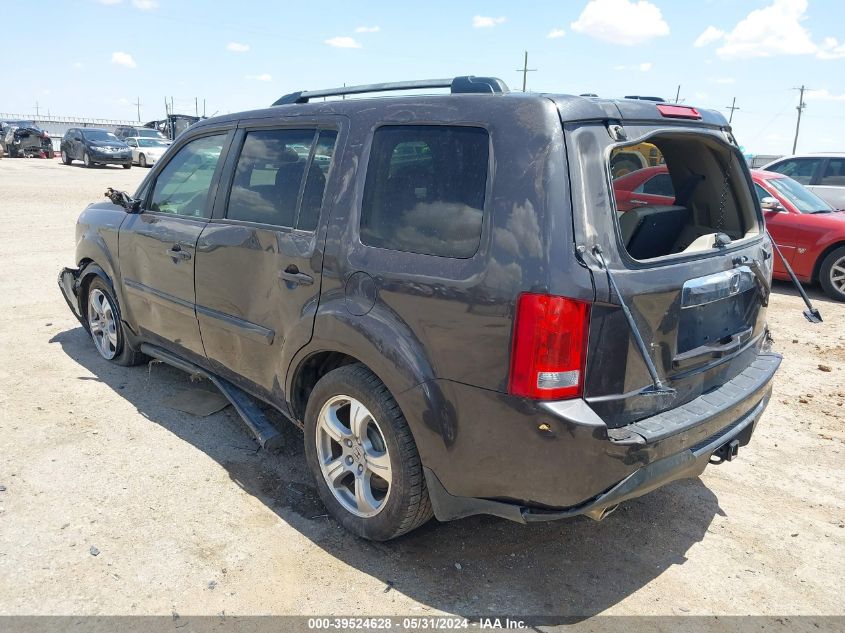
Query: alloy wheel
x=837 y=275
x=353 y=456
x=102 y=324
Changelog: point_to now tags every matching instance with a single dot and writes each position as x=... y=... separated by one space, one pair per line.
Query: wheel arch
x=822 y=256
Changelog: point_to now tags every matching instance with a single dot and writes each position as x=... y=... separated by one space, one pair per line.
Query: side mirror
x=770 y=203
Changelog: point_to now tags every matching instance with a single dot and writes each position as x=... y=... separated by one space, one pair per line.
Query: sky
x=105 y=54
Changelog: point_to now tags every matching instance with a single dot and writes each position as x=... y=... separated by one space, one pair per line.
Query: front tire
x=832 y=274
x=106 y=327
x=363 y=456
x=142 y=161
x=86 y=160
x=127 y=166
x=67 y=160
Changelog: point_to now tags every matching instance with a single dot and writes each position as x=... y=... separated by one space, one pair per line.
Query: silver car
x=146 y=151
x=823 y=174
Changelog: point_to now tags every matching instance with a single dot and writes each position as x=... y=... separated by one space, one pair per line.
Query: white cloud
x=644 y=67
x=343 y=41
x=484 y=22
x=109 y=3
x=830 y=48
x=822 y=95
x=145 y=5
x=708 y=36
x=77 y=64
x=621 y=21
x=368 y=29
x=123 y=59
x=724 y=80
x=237 y=47
x=261 y=77
x=775 y=29
x=556 y=33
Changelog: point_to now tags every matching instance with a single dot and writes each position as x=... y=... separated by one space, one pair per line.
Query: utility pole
x=196 y=107
x=166 y=107
x=525 y=70
x=678 y=94
x=137 y=104
x=203 y=107
x=36 y=109
x=732 y=107
x=800 y=108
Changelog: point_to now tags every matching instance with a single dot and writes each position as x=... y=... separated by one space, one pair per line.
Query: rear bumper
x=576 y=465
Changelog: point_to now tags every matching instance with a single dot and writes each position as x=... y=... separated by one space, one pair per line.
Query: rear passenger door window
x=834 y=173
x=270 y=184
x=425 y=189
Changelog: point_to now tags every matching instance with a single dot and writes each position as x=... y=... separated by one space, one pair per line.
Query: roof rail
x=458 y=85
x=643 y=98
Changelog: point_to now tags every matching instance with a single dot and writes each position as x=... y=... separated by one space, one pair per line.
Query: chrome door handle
x=641 y=203
x=292 y=274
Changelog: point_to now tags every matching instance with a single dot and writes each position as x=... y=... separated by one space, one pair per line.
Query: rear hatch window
x=679 y=194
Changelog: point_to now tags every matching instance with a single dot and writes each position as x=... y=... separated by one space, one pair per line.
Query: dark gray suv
x=449 y=295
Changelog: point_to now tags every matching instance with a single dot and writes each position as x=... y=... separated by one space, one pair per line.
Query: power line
x=800 y=108
x=525 y=70
x=732 y=107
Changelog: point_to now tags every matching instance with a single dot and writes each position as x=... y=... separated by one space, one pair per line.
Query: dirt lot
x=187 y=517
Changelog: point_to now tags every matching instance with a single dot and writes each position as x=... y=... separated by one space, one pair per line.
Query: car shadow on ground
x=476 y=567
x=814 y=291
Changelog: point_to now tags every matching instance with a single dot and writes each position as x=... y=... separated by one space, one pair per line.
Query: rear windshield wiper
x=657 y=387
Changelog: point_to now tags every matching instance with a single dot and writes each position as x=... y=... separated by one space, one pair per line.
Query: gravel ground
x=114 y=503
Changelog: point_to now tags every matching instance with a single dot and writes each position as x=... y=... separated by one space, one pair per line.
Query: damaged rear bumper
x=673 y=445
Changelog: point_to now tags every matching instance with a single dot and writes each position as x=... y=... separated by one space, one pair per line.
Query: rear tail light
x=549 y=347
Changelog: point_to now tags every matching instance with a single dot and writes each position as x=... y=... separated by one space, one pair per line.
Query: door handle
x=292 y=274
x=176 y=253
x=641 y=203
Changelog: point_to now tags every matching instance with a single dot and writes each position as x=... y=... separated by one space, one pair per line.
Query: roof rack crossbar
x=458 y=85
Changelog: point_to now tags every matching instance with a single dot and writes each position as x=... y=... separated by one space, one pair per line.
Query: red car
x=809 y=232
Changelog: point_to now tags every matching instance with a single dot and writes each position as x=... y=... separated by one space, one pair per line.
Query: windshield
x=803 y=199
x=152 y=142
x=24 y=124
x=98 y=135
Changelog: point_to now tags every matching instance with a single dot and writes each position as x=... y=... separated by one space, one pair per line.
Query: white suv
x=823 y=174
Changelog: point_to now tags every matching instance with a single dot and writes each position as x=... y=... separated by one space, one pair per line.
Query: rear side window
x=699 y=191
x=425 y=189
x=268 y=182
x=800 y=169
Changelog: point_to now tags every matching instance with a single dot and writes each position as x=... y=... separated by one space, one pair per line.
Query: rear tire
x=832 y=274
x=354 y=451
x=104 y=324
x=127 y=166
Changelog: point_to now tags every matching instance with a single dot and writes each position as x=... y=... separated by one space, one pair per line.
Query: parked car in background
x=446 y=302
x=25 y=138
x=95 y=146
x=128 y=131
x=146 y=151
x=809 y=232
x=822 y=173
